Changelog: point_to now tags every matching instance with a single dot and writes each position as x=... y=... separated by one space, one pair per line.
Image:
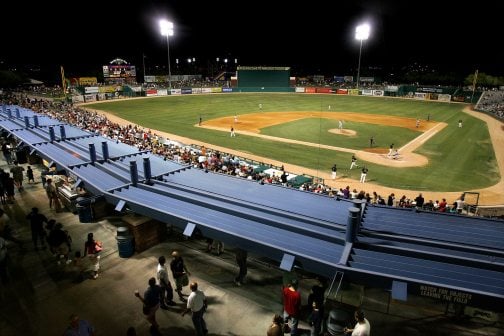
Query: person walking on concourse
x=197 y=304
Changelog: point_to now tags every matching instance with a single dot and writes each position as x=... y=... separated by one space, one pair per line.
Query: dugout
x=263 y=79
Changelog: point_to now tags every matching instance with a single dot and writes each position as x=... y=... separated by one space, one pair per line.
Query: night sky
x=314 y=38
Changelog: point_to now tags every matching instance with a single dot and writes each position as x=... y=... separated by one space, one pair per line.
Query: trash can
x=84 y=210
x=124 y=242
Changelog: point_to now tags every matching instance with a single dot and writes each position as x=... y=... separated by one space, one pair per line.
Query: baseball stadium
x=306 y=179
x=301 y=131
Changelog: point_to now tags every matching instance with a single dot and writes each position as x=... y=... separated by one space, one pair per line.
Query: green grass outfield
x=459 y=158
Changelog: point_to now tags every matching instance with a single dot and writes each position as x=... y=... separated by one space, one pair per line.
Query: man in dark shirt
x=180 y=273
x=151 y=302
x=37 y=221
x=419 y=200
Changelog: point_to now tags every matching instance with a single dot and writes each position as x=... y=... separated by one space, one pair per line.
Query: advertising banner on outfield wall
x=342 y=91
x=175 y=92
x=420 y=95
x=353 y=92
x=310 y=90
x=91 y=89
x=78 y=99
x=300 y=90
x=216 y=90
x=323 y=90
x=89 y=97
x=367 y=92
x=392 y=88
x=380 y=93
x=83 y=81
x=226 y=89
x=186 y=90
x=162 y=92
x=151 y=92
x=196 y=90
x=444 y=97
x=108 y=88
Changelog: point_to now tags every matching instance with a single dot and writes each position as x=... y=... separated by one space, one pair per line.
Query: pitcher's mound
x=347 y=132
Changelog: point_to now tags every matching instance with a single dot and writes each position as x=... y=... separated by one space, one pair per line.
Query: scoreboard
x=119 y=71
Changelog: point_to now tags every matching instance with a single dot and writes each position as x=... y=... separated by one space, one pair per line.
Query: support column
x=92 y=153
x=353 y=224
x=134 y=173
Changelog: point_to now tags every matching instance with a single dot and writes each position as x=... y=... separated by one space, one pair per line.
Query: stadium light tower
x=167 y=30
x=361 y=34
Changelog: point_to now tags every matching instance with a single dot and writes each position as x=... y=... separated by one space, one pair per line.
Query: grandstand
x=338 y=239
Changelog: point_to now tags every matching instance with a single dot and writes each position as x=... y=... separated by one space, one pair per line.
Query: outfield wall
x=417 y=93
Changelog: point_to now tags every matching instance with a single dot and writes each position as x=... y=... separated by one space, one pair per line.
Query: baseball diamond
x=436 y=158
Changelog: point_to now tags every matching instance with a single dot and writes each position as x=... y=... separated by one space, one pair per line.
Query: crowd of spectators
x=492 y=101
x=201 y=157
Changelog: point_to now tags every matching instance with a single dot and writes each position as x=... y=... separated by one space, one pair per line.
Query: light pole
x=361 y=34
x=167 y=30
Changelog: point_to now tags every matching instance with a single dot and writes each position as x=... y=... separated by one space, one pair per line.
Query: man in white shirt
x=362 y=327
x=197 y=303
x=166 y=287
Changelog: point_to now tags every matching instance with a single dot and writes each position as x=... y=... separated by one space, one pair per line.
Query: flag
x=63 y=80
x=475 y=80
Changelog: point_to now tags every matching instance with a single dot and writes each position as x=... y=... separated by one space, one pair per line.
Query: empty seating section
x=157 y=164
x=28 y=137
x=270 y=196
x=59 y=155
x=10 y=125
x=242 y=209
x=430 y=271
x=71 y=133
x=98 y=178
x=388 y=244
x=450 y=228
x=115 y=149
x=265 y=235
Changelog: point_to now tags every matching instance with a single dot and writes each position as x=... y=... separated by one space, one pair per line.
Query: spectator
x=419 y=201
x=180 y=274
x=38 y=232
x=315 y=320
x=79 y=327
x=151 y=302
x=92 y=249
x=197 y=304
x=29 y=175
x=362 y=327
x=52 y=194
x=292 y=305
x=166 y=294
x=241 y=260
x=17 y=175
x=276 y=327
x=317 y=296
x=442 y=205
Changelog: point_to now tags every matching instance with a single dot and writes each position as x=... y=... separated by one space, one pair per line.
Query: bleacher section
x=288 y=226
